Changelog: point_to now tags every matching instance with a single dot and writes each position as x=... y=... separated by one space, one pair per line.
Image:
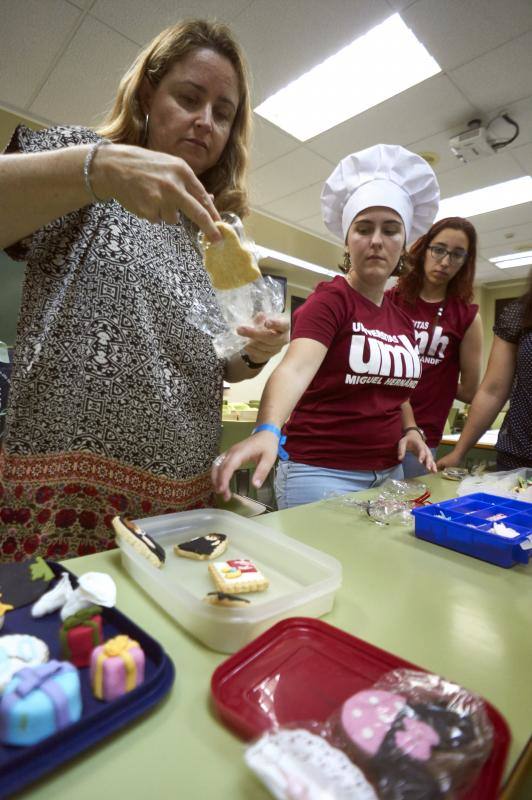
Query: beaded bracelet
x=87 y=169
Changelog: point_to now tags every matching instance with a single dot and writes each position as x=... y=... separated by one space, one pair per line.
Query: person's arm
x=412 y=440
x=284 y=388
x=267 y=336
x=36 y=188
x=488 y=401
x=470 y=361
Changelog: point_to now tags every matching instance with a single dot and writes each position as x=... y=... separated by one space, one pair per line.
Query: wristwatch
x=415 y=428
x=252 y=364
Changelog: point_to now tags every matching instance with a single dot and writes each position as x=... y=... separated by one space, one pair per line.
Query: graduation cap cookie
x=132 y=533
x=201 y=548
x=23 y=582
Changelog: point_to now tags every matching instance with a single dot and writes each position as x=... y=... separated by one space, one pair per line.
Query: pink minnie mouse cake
x=38 y=701
x=117 y=667
x=417 y=736
x=363 y=730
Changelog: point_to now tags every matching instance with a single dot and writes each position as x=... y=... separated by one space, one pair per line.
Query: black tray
x=20 y=766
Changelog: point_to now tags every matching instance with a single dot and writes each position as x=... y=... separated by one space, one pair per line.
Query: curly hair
x=125 y=122
x=410 y=284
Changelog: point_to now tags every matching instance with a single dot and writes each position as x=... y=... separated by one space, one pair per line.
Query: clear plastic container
x=303 y=580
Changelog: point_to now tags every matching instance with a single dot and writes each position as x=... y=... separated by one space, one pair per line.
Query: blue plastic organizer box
x=466 y=524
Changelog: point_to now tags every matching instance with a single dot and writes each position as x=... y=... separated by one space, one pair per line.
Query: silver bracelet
x=87 y=169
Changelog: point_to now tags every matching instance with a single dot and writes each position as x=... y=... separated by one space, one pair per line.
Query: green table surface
x=449 y=613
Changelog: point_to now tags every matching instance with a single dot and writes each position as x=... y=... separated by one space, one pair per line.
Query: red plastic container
x=303 y=669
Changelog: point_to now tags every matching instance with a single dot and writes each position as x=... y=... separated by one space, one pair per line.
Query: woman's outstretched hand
x=261 y=449
x=413 y=442
x=266 y=336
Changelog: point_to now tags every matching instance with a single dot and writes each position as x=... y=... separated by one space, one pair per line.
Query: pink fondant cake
x=117 y=667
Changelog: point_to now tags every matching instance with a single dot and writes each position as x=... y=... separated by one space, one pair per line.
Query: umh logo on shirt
x=431 y=344
x=382 y=358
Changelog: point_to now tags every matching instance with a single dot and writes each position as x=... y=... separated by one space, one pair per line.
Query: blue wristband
x=283 y=455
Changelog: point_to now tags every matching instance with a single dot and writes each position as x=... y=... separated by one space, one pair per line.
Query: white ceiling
x=60 y=61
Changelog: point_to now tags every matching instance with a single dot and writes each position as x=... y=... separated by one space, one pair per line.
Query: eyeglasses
x=456 y=257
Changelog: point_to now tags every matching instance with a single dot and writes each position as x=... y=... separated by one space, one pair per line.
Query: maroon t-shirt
x=439 y=349
x=350 y=415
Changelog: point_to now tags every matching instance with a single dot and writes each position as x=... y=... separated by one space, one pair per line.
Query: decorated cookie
x=132 y=533
x=17 y=651
x=80 y=634
x=23 y=582
x=442 y=735
x=38 y=701
x=223 y=599
x=117 y=667
x=202 y=547
x=228 y=263
x=238 y=575
x=94 y=589
x=4 y=607
x=367 y=716
x=54 y=598
x=295 y=763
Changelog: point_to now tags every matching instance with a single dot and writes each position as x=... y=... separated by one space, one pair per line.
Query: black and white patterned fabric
x=514 y=444
x=115 y=398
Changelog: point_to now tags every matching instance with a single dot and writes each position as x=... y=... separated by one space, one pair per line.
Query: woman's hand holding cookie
x=153 y=185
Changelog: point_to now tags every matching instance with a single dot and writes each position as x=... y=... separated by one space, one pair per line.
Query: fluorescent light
x=265 y=252
x=513 y=260
x=382 y=63
x=491 y=198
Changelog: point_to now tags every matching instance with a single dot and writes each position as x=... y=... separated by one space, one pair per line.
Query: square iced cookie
x=237 y=575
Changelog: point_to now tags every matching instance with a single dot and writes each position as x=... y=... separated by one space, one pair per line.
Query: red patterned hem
x=61 y=505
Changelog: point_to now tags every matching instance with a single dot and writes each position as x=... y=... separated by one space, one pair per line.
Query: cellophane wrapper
x=418 y=736
x=392 y=504
x=220 y=314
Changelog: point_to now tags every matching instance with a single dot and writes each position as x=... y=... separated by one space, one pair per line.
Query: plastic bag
x=222 y=313
x=515 y=483
x=393 y=503
x=415 y=735
x=410 y=736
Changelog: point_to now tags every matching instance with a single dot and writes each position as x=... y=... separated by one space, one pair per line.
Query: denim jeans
x=411 y=466
x=297 y=484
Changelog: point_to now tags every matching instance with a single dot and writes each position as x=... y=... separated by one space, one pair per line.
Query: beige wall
x=486 y=298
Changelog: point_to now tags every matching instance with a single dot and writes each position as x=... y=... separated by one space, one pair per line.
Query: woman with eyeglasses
x=436 y=293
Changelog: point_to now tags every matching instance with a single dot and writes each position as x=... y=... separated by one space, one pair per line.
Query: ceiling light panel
x=265 y=252
x=491 y=198
x=382 y=63
x=522 y=259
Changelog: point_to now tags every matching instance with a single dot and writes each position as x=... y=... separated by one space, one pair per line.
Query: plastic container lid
x=303 y=669
x=303 y=580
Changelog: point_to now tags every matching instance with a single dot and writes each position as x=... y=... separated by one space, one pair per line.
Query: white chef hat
x=383 y=175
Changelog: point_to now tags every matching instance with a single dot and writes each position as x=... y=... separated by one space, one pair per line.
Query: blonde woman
x=115 y=398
